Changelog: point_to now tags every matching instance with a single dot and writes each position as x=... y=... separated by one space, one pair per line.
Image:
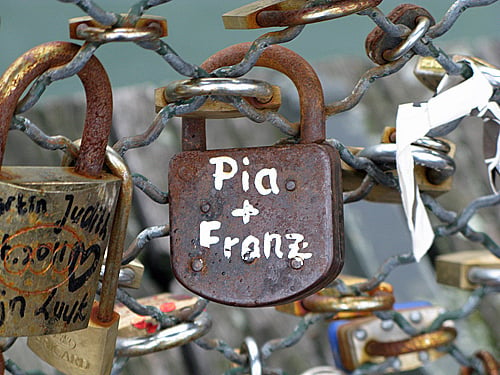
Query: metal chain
x=453 y=222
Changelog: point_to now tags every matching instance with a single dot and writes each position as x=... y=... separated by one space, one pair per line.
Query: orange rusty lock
x=330 y=300
x=55 y=221
x=258 y=226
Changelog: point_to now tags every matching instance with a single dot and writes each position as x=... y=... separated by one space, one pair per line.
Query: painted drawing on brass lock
x=51 y=252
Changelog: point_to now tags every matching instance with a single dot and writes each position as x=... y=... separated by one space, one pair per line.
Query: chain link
x=453 y=222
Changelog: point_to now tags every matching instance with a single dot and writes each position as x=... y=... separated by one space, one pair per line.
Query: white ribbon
x=413 y=121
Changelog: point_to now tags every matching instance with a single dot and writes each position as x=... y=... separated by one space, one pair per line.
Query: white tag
x=494 y=109
x=413 y=121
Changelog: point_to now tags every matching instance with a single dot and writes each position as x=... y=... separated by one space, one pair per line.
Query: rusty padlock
x=258 y=226
x=55 y=221
x=91 y=350
x=381 y=47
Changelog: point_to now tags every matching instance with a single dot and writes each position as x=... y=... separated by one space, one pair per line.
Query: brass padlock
x=258 y=226
x=91 y=351
x=55 y=221
x=457 y=269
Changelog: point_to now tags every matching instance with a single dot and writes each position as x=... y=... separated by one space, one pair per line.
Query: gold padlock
x=55 y=221
x=454 y=269
x=91 y=351
x=430 y=72
x=135 y=325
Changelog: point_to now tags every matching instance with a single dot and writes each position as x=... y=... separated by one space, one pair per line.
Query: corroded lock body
x=54 y=221
x=258 y=226
x=91 y=350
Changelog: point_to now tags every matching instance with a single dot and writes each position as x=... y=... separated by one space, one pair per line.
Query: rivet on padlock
x=91 y=351
x=369 y=339
x=246 y=222
x=56 y=222
x=135 y=325
x=463 y=269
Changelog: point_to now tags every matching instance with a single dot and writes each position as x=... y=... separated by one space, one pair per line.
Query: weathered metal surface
x=355 y=335
x=291 y=203
x=91 y=350
x=269 y=13
x=453 y=268
x=81 y=352
x=378 y=41
x=245 y=222
x=417 y=343
x=147 y=27
x=345 y=306
x=213 y=109
x=303 y=76
x=55 y=223
x=355 y=304
x=95 y=80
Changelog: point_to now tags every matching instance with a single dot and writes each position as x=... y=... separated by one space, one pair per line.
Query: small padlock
x=258 y=226
x=457 y=269
x=371 y=340
x=91 y=350
x=55 y=221
x=135 y=325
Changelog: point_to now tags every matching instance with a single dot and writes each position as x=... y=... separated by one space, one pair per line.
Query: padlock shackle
x=284 y=60
x=97 y=87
